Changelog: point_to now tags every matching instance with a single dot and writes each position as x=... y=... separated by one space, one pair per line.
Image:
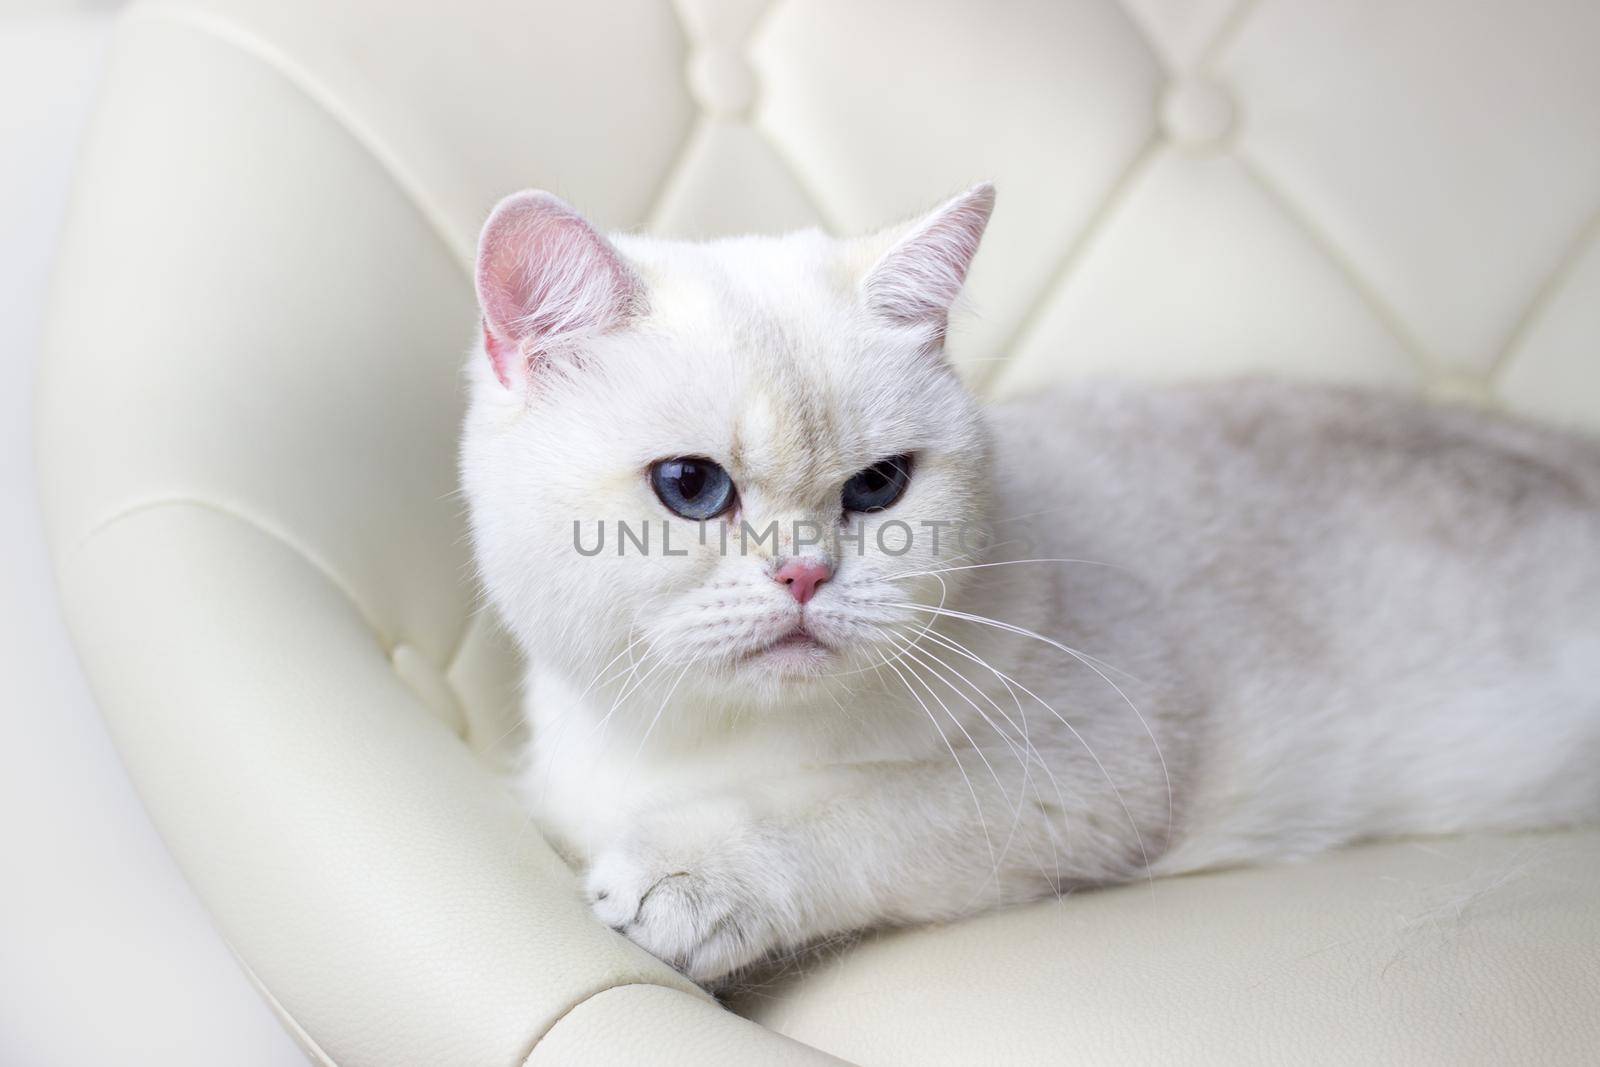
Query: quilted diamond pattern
x=1370 y=191
x=898 y=112
x=1433 y=144
x=1390 y=191
x=1181 y=30
x=1223 y=243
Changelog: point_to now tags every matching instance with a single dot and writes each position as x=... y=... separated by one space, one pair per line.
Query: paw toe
x=615 y=888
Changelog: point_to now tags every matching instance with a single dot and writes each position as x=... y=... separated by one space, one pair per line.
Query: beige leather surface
x=250 y=396
x=1469 y=950
x=646 y=1024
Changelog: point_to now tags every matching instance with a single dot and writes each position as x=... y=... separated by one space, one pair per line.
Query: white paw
x=704 y=909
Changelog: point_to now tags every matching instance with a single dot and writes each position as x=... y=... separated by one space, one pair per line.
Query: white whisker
x=976 y=803
x=1024 y=758
x=1117 y=792
x=1087 y=661
x=1030 y=748
x=1001 y=563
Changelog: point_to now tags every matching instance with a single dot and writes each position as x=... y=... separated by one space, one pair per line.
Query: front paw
x=706 y=907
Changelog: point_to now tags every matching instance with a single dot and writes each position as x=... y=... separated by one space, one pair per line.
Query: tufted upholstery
x=250 y=400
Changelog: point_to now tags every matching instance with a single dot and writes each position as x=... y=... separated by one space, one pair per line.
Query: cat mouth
x=797 y=646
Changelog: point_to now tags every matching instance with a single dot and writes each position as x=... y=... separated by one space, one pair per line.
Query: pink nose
x=802 y=576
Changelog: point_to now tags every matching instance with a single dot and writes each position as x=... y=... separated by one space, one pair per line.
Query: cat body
x=1191 y=626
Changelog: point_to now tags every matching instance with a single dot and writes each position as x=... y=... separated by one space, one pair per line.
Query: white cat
x=1162 y=630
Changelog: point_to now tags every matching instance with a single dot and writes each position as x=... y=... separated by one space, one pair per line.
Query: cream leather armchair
x=247 y=442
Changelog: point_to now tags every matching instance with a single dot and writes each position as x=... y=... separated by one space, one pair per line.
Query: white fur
x=1278 y=619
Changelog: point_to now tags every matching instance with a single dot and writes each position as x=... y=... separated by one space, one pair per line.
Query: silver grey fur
x=1354 y=614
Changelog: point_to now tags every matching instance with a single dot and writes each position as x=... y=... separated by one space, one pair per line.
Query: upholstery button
x=722 y=83
x=1197 y=113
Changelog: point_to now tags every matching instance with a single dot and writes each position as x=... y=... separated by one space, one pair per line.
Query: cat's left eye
x=692 y=486
x=879 y=486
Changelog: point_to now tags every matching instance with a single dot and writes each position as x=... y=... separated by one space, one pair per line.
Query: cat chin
x=778 y=675
x=791 y=658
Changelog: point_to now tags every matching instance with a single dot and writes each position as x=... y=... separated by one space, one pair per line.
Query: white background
x=105 y=954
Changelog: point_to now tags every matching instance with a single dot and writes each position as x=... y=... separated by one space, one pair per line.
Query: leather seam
x=797 y=174
x=1226 y=34
x=758 y=26
x=533 y=1046
x=1432 y=367
x=698 y=130
x=261 y=526
x=773 y=139
x=1077 y=249
x=412 y=190
x=275 y=59
x=1566 y=266
x=692 y=136
x=460 y=645
x=308 y=1044
x=1119 y=191
x=1147 y=38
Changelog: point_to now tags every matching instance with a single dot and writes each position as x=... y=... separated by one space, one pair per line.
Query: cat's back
x=1265 y=506
x=1241 y=450
x=1337 y=566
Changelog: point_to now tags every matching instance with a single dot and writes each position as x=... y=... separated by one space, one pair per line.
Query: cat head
x=731 y=467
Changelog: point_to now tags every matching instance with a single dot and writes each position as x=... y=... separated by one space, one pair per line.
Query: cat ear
x=916 y=281
x=545 y=279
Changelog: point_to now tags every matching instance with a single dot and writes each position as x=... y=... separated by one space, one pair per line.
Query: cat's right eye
x=879 y=486
x=692 y=486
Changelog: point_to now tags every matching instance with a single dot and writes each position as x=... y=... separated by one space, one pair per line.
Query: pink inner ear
x=501 y=353
x=918 y=279
x=545 y=278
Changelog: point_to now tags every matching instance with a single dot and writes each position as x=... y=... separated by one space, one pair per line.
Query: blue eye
x=879 y=486
x=692 y=486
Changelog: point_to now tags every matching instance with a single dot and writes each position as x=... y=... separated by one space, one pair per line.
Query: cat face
x=731 y=468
